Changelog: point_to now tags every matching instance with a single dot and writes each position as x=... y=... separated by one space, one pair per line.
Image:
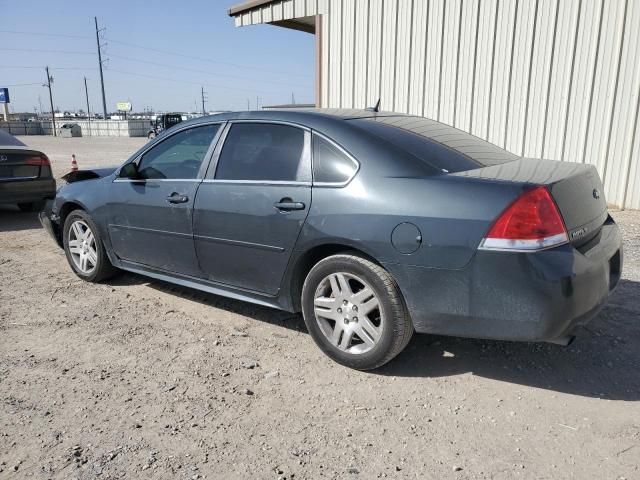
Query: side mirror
x=130 y=170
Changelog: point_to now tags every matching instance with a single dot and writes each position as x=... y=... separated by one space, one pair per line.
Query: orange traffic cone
x=74 y=164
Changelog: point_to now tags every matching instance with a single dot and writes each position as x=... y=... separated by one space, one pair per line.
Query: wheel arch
x=67 y=208
x=306 y=261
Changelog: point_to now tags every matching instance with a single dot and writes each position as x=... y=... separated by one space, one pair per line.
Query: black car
x=373 y=225
x=25 y=175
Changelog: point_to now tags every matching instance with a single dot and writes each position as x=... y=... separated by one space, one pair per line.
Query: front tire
x=354 y=312
x=84 y=249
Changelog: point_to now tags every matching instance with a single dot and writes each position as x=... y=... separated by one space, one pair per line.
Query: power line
x=42 y=66
x=37 y=50
x=142 y=47
x=209 y=60
x=42 y=34
x=24 y=84
x=173 y=67
x=156 y=77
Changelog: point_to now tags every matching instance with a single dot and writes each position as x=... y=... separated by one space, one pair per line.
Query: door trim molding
x=150 y=230
x=239 y=243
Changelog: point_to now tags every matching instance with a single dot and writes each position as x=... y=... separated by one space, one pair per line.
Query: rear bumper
x=538 y=296
x=23 y=191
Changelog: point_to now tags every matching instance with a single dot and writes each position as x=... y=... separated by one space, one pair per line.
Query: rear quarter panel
x=452 y=214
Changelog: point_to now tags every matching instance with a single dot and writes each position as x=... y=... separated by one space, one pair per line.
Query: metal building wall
x=542 y=78
x=558 y=79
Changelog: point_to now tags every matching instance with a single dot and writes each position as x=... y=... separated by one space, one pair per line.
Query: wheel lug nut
x=346 y=321
x=355 y=319
x=339 y=310
x=355 y=309
x=344 y=302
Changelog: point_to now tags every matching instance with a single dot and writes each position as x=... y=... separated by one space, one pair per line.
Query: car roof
x=334 y=120
x=303 y=116
x=8 y=140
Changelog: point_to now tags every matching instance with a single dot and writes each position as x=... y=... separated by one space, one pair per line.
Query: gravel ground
x=139 y=379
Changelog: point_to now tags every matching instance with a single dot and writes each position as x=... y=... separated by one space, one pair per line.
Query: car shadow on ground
x=603 y=362
x=14 y=220
x=279 y=318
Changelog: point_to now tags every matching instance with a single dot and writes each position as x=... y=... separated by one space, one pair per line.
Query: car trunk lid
x=22 y=164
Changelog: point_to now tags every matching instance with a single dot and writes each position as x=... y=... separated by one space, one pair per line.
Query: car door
x=150 y=216
x=252 y=205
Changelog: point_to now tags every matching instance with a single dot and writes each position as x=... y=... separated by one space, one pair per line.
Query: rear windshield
x=440 y=146
x=6 y=139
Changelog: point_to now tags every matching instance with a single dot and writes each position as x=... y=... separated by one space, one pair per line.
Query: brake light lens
x=38 y=161
x=532 y=222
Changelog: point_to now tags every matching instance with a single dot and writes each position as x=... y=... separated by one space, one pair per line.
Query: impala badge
x=596 y=193
x=578 y=233
x=3 y=158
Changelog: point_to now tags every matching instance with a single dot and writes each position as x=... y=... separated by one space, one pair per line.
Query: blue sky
x=233 y=64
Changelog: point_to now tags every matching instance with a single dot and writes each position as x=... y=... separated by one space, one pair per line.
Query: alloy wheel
x=82 y=247
x=348 y=313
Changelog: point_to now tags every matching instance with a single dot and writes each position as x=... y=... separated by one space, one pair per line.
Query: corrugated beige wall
x=558 y=79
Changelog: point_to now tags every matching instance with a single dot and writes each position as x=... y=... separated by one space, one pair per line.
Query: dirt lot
x=139 y=379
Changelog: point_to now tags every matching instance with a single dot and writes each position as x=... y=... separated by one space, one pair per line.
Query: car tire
x=91 y=254
x=31 y=206
x=337 y=309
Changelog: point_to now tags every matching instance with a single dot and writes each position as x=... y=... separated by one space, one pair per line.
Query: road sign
x=4 y=95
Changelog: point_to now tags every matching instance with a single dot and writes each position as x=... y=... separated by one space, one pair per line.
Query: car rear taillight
x=38 y=161
x=532 y=222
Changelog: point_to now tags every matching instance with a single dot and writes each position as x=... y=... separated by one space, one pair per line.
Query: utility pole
x=257 y=101
x=86 y=95
x=248 y=106
x=203 y=100
x=104 y=100
x=293 y=99
x=53 y=114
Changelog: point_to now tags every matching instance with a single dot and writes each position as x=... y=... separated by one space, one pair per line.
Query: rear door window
x=264 y=152
x=331 y=165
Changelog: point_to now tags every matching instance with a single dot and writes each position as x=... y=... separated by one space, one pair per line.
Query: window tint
x=263 y=151
x=438 y=145
x=179 y=156
x=330 y=164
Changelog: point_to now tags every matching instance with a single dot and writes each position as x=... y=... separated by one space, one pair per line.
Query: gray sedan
x=373 y=225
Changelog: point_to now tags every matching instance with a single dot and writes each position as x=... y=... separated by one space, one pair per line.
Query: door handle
x=287 y=205
x=177 y=198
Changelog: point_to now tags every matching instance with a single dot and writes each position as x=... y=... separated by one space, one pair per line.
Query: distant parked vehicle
x=163 y=122
x=25 y=175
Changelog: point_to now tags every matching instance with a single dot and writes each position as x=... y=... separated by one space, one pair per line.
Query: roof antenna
x=374 y=109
